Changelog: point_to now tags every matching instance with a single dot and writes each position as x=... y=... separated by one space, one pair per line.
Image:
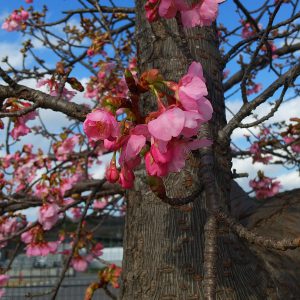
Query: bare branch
x=256 y=239
x=247 y=108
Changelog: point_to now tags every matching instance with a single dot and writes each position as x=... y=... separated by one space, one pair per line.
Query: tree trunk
x=164 y=245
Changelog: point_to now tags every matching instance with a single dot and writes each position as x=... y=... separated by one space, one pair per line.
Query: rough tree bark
x=164 y=245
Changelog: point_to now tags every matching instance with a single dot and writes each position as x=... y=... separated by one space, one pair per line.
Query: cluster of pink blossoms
x=53 y=87
x=48 y=215
x=264 y=186
x=293 y=142
x=20 y=127
x=9 y=225
x=202 y=13
x=36 y=245
x=257 y=156
x=254 y=88
x=164 y=138
x=3 y=281
x=16 y=20
x=86 y=249
x=248 y=31
x=80 y=261
x=292 y=135
x=106 y=79
x=66 y=147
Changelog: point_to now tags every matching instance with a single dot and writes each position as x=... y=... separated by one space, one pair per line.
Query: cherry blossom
x=48 y=215
x=54 y=89
x=202 y=13
x=255 y=150
x=100 y=125
x=112 y=173
x=3 y=281
x=20 y=127
x=36 y=245
x=66 y=147
x=295 y=145
x=164 y=139
x=16 y=21
x=264 y=186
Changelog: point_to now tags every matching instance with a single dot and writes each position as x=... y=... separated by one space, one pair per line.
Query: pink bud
x=112 y=173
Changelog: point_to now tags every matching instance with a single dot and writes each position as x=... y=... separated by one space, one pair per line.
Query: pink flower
x=27 y=237
x=100 y=125
x=106 y=69
x=36 y=245
x=100 y=204
x=42 y=190
x=295 y=146
x=80 y=263
x=174 y=122
x=90 y=91
x=256 y=87
x=169 y=124
x=132 y=146
x=28 y=1
x=67 y=183
x=202 y=14
x=16 y=20
x=247 y=30
x=264 y=187
x=3 y=279
x=257 y=154
x=226 y=73
x=10 y=225
x=161 y=159
x=192 y=90
x=10 y=25
x=53 y=88
x=126 y=177
x=151 y=8
x=48 y=215
x=169 y=8
x=112 y=173
x=41 y=248
x=180 y=149
x=76 y=212
x=97 y=249
x=66 y=147
x=90 y=52
x=154 y=167
x=20 y=129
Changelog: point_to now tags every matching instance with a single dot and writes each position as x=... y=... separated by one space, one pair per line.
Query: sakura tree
x=120 y=108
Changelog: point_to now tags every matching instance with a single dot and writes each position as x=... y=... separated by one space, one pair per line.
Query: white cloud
x=290 y=180
x=11 y=50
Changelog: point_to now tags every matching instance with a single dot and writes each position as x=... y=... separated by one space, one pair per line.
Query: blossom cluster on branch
x=202 y=13
x=164 y=137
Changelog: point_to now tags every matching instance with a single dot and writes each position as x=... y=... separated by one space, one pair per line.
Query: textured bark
x=164 y=245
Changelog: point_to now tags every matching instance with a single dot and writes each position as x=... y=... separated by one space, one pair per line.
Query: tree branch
x=247 y=108
x=256 y=239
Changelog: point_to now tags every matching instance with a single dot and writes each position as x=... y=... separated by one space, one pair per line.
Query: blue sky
x=9 y=43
